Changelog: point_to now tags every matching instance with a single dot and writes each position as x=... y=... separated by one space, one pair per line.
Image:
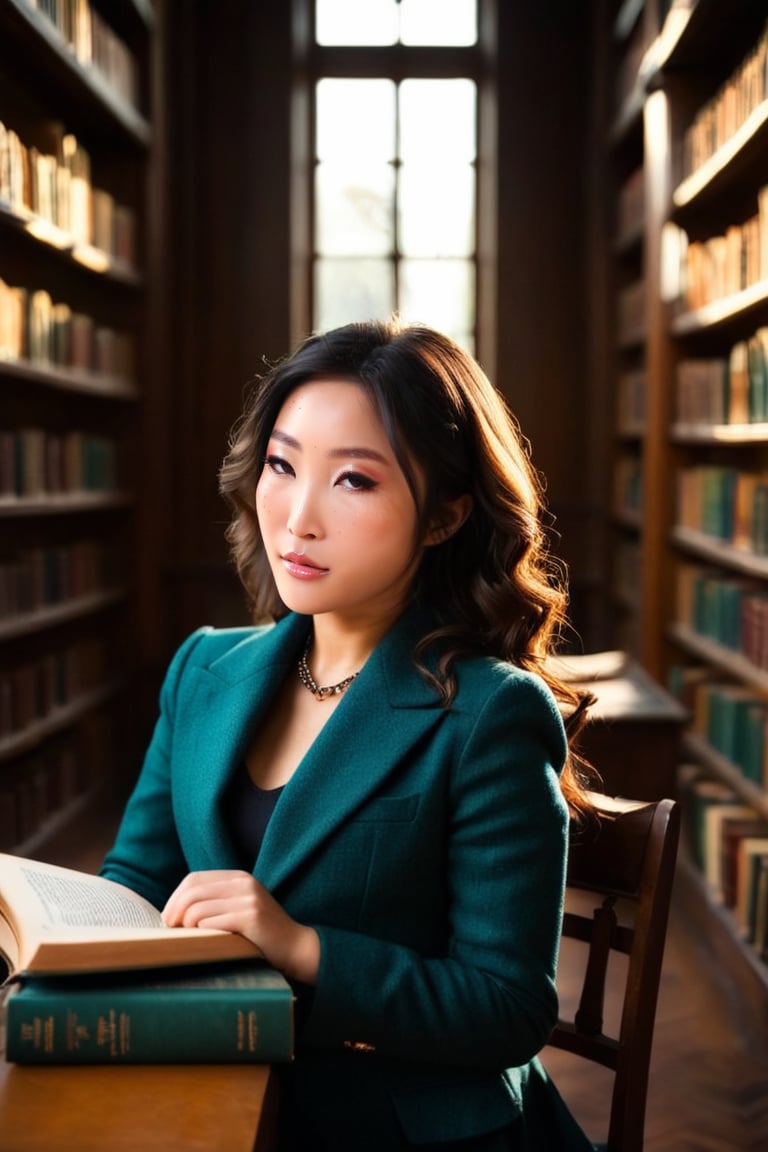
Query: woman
x=375 y=789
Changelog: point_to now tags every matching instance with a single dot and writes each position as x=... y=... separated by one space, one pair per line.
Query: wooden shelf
x=60 y=718
x=35 y=846
x=95 y=99
x=67 y=504
x=718 y=313
x=699 y=750
x=695 y=54
x=719 y=433
x=47 y=93
x=728 y=165
x=631 y=241
x=721 y=553
x=736 y=961
x=634 y=431
x=69 y=380
x=25 y=623
x=628 y=518
x=693 y=32
x=726 y=660
x=46 y=236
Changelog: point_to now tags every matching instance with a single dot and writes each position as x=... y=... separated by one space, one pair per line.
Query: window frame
x=396 y=62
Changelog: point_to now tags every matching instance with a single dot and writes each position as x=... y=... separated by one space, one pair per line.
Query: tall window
x=393 y=129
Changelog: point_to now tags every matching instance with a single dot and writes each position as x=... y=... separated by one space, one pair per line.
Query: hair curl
x=493 y=584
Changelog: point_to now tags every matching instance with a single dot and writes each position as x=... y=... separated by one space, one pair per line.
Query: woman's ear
x=452 y=516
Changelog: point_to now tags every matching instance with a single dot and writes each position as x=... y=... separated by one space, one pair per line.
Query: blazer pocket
x=389 y=810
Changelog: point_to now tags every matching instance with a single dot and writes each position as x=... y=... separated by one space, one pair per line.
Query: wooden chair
x=626 y=857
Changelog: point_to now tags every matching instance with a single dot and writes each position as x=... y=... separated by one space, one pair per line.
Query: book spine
x=126 y=1026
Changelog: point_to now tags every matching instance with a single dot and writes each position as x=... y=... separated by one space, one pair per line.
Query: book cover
x=56 y=920
x=698 y=796
x=714 y=818
x=733 y=832
x=752 y=852
x=228 y=1014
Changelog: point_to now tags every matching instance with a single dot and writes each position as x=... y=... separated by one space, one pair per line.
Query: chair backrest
x=626 y=856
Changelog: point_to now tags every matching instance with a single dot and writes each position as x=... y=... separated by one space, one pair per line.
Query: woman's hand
x=236 y=902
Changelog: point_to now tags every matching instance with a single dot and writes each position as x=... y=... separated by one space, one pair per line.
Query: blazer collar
x=383 y=713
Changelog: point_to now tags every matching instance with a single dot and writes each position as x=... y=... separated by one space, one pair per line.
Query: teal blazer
x=426 y=845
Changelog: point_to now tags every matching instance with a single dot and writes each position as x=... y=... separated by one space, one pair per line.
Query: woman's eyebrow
x=335 y=453
x=284 y=438
x=358 y=454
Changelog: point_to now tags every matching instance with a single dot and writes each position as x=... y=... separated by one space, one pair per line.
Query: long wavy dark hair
x=494 y=586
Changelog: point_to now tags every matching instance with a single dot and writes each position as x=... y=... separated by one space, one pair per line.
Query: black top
x=248 y=809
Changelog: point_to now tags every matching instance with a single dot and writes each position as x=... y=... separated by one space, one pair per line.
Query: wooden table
x=137 y=1108
x=634 y=734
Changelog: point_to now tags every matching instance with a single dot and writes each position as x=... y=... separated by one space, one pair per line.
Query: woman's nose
x=303 y=518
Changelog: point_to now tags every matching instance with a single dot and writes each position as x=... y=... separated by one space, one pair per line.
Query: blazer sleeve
x=147 y=856
x=491 y=1000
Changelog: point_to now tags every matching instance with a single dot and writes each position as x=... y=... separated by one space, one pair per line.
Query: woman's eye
x=278 y=465
x=356 y=482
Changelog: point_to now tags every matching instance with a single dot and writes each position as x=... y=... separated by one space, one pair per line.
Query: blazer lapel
x=384 y=712
x=222 y=707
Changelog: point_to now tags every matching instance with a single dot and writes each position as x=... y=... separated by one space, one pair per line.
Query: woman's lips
x=302 y=567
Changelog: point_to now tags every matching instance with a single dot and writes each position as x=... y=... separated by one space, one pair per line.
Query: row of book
x=628 y=484
x=35 y=578
x=728 y=504
x=35 y=329
x=36 y=462
x=53 y=185
x=630 y=204
x=730 y=611
x=38 y=688
x=93 y=42
x=728 y=841
x=720 y=118
x=41 y=784
x=632 y=399
x=632 y=311
x=627 y=570
x=723 y=265
x=732 y=718
x=730 y=389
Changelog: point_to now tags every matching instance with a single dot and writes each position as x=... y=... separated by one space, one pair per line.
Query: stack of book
x=728 y=841
x=94 y=976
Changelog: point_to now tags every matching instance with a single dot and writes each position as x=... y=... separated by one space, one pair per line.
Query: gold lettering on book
x=77 y=1033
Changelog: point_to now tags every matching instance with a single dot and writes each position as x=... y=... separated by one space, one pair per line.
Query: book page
x=54 y=897
x=60 y=920
x=88 y=902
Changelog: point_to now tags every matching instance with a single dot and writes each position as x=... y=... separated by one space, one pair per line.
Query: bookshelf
x=693 y=422
x=75 y=163
x=628 y=33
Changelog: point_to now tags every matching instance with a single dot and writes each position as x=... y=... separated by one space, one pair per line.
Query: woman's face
x=336 y=515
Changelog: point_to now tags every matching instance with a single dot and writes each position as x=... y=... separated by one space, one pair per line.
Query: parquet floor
x=708 y=1089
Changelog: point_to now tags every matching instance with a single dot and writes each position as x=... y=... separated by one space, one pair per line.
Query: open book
x=57 y=920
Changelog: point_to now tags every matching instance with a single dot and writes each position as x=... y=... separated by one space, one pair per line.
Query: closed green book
x=212 y=1014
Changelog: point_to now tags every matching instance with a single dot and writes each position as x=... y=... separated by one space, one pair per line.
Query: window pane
x=353 y=289
x=355 y=118
x=437 y=210
x=354 y=210
x=356 y=22
x=438 y=22
x=440 y=293
x=361 y=22
x=437 y=119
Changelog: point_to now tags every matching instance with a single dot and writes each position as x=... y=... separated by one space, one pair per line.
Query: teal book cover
x=227 y=1013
